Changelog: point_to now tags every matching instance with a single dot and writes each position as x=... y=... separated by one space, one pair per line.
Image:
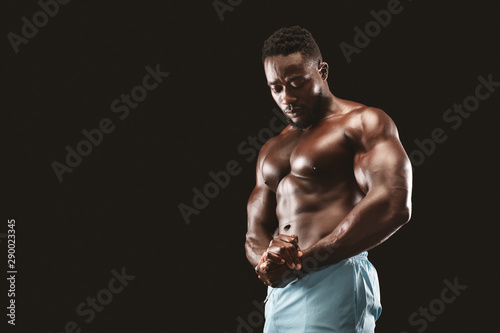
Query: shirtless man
x=333 y=184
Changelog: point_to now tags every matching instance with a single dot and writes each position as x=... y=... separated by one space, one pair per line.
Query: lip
x=295 y=112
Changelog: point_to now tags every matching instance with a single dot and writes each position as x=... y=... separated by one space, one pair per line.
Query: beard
x=316 y=114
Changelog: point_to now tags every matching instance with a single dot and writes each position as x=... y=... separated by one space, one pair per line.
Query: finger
x=260 y=273
x=293 y=239
x=263 y=279
x=272 y=266
x=298 y=265
x=283 y=252
x=274 y=258
x=263 y=269
x=280 y=251
x=268 y=266
x=298 y=253
x=294 y=252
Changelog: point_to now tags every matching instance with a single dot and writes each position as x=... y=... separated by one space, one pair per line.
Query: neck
x=330 y=104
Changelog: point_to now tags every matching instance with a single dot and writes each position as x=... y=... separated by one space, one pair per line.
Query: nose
x=288 y=97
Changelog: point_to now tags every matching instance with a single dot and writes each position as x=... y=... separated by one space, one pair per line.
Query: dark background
x=119 y=207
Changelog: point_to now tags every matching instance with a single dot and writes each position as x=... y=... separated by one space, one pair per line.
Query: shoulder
x=276 y=140
x=369 y=123
x=271 y=144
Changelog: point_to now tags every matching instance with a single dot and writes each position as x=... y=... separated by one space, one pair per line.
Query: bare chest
x=320 y=155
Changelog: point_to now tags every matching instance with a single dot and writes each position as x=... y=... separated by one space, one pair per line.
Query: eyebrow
x=295 y=77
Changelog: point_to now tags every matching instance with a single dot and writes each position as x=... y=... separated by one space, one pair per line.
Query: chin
x=301 y=123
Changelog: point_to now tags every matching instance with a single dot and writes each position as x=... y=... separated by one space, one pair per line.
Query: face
x=297 y=84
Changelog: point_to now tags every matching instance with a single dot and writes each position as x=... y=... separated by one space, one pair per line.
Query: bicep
x=380 y=160
x=261 y=207
x=384 y=166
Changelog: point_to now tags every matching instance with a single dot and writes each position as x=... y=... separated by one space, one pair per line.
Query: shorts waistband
x=362 y=255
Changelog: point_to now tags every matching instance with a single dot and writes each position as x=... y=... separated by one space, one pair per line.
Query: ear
x=323 y=70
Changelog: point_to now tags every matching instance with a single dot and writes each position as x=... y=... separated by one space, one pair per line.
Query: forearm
x=256 y=244
x=374 y=219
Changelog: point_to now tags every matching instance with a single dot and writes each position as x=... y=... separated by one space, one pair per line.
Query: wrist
x=318 y=256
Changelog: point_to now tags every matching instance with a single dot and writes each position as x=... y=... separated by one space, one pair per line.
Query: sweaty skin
x=338 y=186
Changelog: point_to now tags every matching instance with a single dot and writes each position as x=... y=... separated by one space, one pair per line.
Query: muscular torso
x=312 y=174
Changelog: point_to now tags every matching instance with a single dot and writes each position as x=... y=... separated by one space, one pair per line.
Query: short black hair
x=290 y=40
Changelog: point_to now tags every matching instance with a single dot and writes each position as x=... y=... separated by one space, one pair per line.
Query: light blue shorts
x=341 y=298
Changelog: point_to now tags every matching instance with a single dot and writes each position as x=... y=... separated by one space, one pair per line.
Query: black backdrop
x=119 y=208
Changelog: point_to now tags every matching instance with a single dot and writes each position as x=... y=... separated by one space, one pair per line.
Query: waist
x=314 y=273
x=361 y=256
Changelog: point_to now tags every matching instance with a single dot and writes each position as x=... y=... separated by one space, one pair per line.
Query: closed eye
x=297 y=83
x=275 y=89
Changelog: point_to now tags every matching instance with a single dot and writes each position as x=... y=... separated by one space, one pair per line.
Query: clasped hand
x=279 y=261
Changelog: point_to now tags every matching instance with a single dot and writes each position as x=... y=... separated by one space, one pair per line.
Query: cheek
x=276 y=98
x=312 y=95
x=317 y=89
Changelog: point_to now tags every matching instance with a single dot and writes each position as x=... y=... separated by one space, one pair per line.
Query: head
x=296 y=75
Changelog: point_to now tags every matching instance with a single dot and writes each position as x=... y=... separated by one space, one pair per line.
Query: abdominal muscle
x=312 y=215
